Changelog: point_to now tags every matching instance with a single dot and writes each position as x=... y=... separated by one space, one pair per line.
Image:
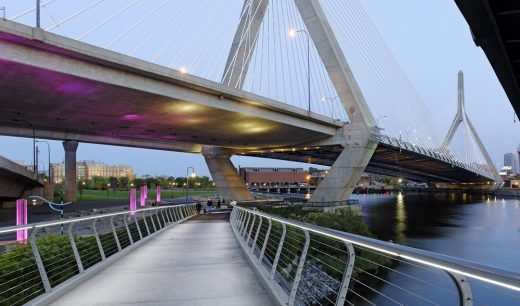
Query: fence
x=304 y=264
x=47 y=263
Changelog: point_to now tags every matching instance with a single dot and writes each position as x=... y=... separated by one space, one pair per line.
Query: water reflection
x=473 y=227
x=400 y=217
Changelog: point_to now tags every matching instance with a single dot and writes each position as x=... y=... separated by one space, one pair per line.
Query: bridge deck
x=195 y=263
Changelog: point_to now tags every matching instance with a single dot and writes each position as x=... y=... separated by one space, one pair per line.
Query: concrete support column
x=230 y=185
x=346 y=171
x=70 y=147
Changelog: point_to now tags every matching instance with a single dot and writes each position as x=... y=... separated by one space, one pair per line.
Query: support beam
x=351 y=163
x=70 y=147
x=230 y=185
x=346 y=171
x=244 y=42
x=335 y=62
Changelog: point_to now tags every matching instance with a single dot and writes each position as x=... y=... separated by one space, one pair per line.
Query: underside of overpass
x=495 y=26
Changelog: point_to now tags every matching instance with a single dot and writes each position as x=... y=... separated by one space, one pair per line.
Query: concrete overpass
x=16 y=181
x=76 y=92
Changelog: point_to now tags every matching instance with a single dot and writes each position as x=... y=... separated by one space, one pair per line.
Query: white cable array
x=74 y=15
x=118 y=38
x=30 y=10
x=107 y=20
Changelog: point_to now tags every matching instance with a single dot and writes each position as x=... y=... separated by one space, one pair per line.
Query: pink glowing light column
x=133 y=201
x=145 y=192
x=142 y=196
x=158 y=193
x=21 y=218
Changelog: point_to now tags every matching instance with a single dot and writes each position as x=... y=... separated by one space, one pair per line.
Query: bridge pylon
x=462 y=118
x=357 y=137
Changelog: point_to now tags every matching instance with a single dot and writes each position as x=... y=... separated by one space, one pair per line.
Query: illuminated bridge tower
x=462 y=118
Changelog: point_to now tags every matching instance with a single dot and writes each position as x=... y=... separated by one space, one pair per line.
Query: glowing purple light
x=145 y=192
x=158 y=194
x=21 y=218
x=133 y=201
x=142 y=196
x=131 y=117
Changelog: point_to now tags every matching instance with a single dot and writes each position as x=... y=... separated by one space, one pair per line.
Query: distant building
x=511 y=160
x=274 y=176
x=85 y=170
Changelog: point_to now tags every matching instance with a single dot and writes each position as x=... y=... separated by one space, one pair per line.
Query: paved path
x=196 y=263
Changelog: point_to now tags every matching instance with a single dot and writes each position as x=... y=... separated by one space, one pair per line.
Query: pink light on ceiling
x=21 y=219
x=133 y=201
x=131 y=117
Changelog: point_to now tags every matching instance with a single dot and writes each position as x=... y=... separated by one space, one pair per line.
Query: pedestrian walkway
x=195 y=263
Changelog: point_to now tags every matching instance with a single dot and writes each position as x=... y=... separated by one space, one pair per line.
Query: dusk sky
x=430 y=40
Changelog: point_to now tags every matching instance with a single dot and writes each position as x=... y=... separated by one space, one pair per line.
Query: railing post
x=250 y=230
x=342 y=295
x=244 y=228
x=98 y=241
x=261 y=256
x=146 y=224
x=161 y=211
x=115 y=234
x=153 y=222
x=278 y=251
x=39 y=262
x=156 y=214
x=465 y=294
x=256 y=235
x=170 y=212
x=181 y=212
x=166 y=213
x=299 y=269
x=75 y=249
x=138 y=227
x=175 y=214
x=128 y=230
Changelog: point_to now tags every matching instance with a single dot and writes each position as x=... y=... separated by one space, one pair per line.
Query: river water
x=473 y=227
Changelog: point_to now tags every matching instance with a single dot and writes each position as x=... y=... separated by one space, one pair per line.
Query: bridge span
x=76 y=92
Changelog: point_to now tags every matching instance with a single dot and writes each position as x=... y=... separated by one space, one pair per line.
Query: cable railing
x=38 y=263
x=305 y=264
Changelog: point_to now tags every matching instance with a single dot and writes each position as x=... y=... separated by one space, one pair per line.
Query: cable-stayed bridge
x=306 y=81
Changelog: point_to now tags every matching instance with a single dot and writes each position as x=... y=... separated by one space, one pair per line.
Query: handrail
x=7 y=229
x=50 y=264
x=489 y=274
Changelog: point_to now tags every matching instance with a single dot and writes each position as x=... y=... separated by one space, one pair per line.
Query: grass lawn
x=98 y=195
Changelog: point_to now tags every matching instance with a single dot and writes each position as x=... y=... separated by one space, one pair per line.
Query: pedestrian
x=209 y=203
x=218 y=203
x=198 y=206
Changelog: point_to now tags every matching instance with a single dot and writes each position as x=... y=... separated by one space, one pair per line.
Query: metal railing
x=305 y=264
x=44 y=264
x=297 y=203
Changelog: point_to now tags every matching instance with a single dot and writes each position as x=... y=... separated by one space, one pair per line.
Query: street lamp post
x=187 y=178
x=293 y=33
x=108 y=187
x=37 y=13
x=49 y=160
x=35 y=166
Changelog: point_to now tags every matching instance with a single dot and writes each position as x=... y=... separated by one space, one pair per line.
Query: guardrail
x=44 y=265
x=305 y=264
